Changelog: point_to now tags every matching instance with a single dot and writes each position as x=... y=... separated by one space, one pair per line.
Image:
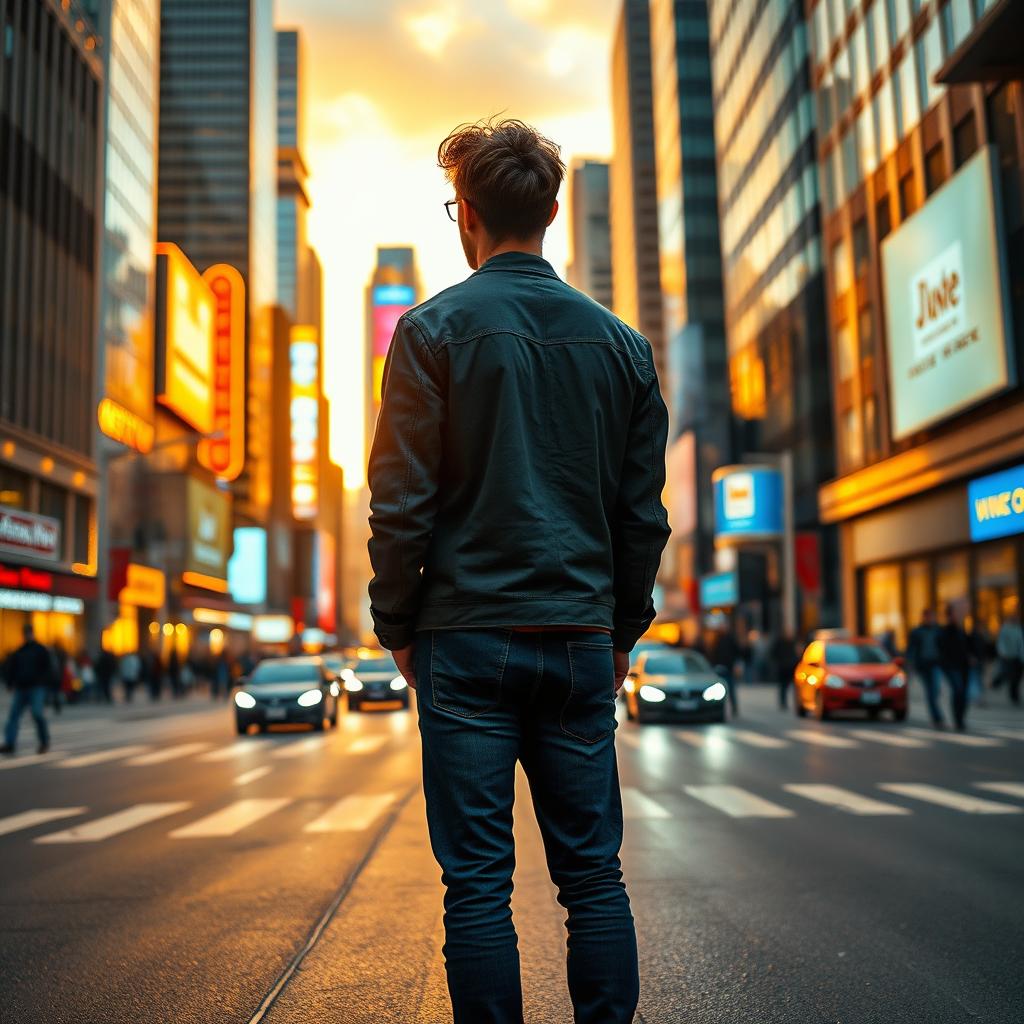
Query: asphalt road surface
x=155 y=867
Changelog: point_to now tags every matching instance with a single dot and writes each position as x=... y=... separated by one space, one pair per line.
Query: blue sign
x=719 y=590
x=996 y=504
x=748 y=503
x=247 y=568
x=394 y=295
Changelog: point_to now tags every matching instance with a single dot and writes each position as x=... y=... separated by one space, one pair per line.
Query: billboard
x=304 y=360
x=25 y=533
x=247 y=568
x=209 y=536
x=720 y=590
x=225 y=454
x=389 y=302
x=185 y=311
x=996 y=504
x=945 y=294
x=748 y=503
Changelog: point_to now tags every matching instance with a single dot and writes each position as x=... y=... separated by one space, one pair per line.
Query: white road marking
x=352 y=813
x=822 y=739
x=231 y=819
x=631 y=739
x=167 y=754
x=29 y=819
x=948 y=798
x=232 y=750
x=101 y=756
x=694 y=739
x=253 y=775
x=367 y=744
x=757 y=739
x=890 y=739
x=115 y=824
x=959 y=738
x=1007 y=734
x=1006 y=788
x=637 y=805
x=30 y=759
x=299 y=747
x=843 y=799
x=737 y=803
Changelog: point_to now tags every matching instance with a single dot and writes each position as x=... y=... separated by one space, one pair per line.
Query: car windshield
x=285 y=672
x=682 y=663
x=373 y=665
x=855 y=654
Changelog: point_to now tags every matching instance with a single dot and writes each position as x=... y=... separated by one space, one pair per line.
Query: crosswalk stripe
x=352 y=813
x=29 y=819
x=843 y=799
x=637 y=805
x=167 y=754
x=757 y=739
x=231 y=819
x=30 y=759
x=367 y=744
x=1006 y=788
x=693 y=739
x=890 y=739
x=115 y=824
x=737 y=803
x=1006 y=734
x=253 y=775
x=231 y=751
x=101 y=756
x=822 y=739
x=299 y=747
x=959 y=738
x=948 y=798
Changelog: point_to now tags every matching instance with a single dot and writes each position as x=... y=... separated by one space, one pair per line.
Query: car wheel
x=899 y=714
x=798 y=705
x=820 y=711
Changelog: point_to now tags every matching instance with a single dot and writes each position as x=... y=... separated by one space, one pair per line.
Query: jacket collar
x=519 y=262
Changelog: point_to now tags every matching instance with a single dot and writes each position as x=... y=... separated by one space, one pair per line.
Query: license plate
x=871 y=698
x=277 y=714
x=687 y=705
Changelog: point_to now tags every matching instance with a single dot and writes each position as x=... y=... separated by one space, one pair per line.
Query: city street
x=158 y=868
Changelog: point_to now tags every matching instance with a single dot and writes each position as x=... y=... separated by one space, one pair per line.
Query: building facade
x=636 y=273
x=922 y=187
x=591 y=268
x=773 y=280
x=51 y=73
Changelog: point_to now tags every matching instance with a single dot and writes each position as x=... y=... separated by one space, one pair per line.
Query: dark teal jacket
x=518 y=463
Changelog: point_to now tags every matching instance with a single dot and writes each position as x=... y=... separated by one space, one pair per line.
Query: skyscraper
x=636 y=276
x=591 y=266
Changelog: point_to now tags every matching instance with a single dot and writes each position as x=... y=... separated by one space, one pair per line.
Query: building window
x=861 y=255
x=884 y=116
x=908 y=106
x=851 y=444
x=952 y=581
x=871 y=438
x=996 y=596
x=866 y=334
x=13 y=488
x=929 y=61
x=840 y=269
x=83 y=513
x=956 y=23
x=846 y=352
x=918 y=579
x=934 y=168
x=908 y=195
x=1003 y=131
x=883 y=218
x=965 y=140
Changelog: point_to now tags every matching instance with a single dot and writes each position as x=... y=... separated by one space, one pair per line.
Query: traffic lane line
x=843 y=799
x=115 y=824
x=948 y=798
x=38 y=816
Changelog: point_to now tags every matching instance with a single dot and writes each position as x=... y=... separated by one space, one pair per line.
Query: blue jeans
x=488 y=698
x=35 y=700
x=929 y=675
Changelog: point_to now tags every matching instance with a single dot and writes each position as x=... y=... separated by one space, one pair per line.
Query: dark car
x=287 y=691
x=375 y=680
x=676 y=684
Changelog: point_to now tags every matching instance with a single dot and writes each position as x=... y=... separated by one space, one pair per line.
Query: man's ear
x=554 y=213
x=470 y=218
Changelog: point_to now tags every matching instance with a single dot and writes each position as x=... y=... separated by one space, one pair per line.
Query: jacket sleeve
x=641 y=528
x=403 y=472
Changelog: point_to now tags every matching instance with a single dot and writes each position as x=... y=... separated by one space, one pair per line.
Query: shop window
x=13 y=487
x=917 y=577
x=995 y=596
x=861 y=254
x=53 y=502
x=883 y=605
x=952 y=582
x=965 y=140
x=934 y=168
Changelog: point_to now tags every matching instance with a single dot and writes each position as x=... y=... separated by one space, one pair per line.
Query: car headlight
x=310 y=698
x=245 y=700
x=716 y=691
x=834 y=682
x=353 y=685
x=398 y=683
x=335 y=689
x=900 y=679
x=652 y=694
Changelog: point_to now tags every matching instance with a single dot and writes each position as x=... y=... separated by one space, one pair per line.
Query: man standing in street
x=955 y=658
x=517 y=528
x=923 y=658
x=29 y=672
x=1010 y=653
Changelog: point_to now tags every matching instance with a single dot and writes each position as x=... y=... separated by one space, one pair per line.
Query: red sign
x=808 y=563
x=29 y=534
x=24 y=578
x=326 y=602
x=225 y=455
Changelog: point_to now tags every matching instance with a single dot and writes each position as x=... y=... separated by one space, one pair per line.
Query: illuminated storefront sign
x=390 y=301
x=247 y=569
x=748 y=503
x=996 y=504
x=273 y=629
x=185 y=320
x=225 y=455
x=33 y=601
x=145 y=587
x=26 y=533
x=209 y=537
x=305 y=416
x=945 y=289
x=719 y=590
x=124 y=426
x=14 y=577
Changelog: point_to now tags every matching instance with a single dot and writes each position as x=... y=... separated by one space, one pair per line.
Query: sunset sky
x=385 y=82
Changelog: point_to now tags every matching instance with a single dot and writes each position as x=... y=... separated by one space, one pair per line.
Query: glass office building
x=772 y=270
x=923 y=242
x=591 y=266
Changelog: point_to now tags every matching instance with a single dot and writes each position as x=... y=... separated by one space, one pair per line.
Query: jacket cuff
x=624 y=638
x=394 y=638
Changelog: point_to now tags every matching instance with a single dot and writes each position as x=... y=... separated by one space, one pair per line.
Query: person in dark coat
x=924 y=656
x=29 y=672
x=724 y=653
x=154 y=674
x=784 y=658
x=105 y=669
x=955 y=659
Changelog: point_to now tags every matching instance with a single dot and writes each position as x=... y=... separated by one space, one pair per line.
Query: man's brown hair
x=507 y=171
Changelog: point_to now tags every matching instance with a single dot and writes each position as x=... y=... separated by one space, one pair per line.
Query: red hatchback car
x=849 y=675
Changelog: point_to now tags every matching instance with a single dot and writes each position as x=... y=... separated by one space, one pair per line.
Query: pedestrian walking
x=131 y=673
x=29 y=673
x=106 y=670
x=153 y=671
x=1010 y=655
x=923 y=656
x=516 y=476
x=174 y=674
x=725 y=652
x=785 y=658
x=955 y=659
x=220 y=684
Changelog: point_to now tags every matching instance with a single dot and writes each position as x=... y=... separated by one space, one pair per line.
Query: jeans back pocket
x=466 y=669
x=589 y=711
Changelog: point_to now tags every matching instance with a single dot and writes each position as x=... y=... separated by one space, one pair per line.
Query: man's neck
x=530 y=248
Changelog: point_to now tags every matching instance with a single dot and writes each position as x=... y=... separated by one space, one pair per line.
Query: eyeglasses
x=453 y=217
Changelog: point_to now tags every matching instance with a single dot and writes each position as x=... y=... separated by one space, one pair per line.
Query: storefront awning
x=993 y=52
